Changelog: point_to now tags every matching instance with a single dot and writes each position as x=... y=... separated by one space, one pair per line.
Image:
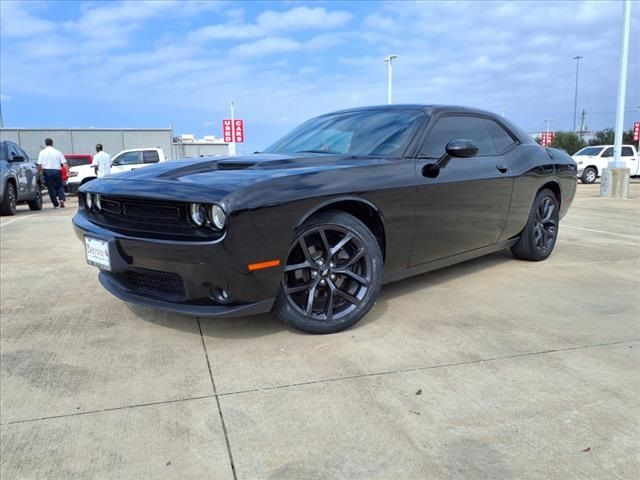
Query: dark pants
x=54 y=185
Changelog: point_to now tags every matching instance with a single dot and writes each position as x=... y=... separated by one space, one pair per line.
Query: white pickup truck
x=592 y=160
x=122 y=162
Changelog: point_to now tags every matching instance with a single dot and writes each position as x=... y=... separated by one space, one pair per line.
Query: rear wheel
x=36 y=203
x=9 y=202
x=332 y=275
x=589 y=175
x=539 y=235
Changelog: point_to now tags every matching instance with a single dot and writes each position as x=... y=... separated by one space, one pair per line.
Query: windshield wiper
x=318 y=151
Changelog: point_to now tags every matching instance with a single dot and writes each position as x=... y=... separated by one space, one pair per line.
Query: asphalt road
x=495 y=368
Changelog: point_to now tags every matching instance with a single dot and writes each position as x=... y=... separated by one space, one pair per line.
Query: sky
x=179 y=63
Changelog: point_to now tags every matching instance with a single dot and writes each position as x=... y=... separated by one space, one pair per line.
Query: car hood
x=213 y=178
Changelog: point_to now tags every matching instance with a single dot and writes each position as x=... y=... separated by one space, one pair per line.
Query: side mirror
x=17 y=158
x=115 y=163
x=462 y=148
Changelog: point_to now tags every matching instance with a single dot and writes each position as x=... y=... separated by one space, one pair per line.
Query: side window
x=150 y=156
x=501 y=139
x=129 y=158
x=14 y=151
x=24 y=154
x=627 y=152
x=455 y=127
x=608 y=152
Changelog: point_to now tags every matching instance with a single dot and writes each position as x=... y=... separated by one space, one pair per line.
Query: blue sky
x=155 y=64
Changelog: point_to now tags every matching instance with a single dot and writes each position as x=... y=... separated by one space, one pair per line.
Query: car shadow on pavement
x=269 y=324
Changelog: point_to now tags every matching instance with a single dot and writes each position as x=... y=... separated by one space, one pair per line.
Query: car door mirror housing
x=462 y=148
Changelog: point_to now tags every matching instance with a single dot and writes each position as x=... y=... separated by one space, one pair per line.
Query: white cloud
x=271 y=22
x=265 y=46
x=303 y=17
x=16 y=21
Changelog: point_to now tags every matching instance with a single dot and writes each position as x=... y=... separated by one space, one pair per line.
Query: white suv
x=124 y=161
x=592 y=160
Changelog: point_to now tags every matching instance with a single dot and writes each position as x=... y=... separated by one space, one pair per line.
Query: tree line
x=572 y=142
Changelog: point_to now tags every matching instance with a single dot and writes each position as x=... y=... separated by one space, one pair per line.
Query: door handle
x=502 y=168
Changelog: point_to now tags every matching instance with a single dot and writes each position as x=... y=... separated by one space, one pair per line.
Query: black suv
x=19 y=179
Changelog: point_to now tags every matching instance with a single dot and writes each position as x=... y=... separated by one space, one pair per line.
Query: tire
x=539 y=236
x=10 y=200
x=36 y=203
x=332 y=275
x=589 y=175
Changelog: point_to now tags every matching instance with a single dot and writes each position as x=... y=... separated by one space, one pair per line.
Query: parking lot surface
x=495 y=368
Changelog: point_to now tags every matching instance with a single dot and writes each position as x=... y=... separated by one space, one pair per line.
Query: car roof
x=431 y=108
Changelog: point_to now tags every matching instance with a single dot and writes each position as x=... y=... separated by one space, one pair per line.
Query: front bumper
x=201 y=266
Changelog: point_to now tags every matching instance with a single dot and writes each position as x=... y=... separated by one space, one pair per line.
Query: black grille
x=151 y=283
x=152 y=211
x=144 y=211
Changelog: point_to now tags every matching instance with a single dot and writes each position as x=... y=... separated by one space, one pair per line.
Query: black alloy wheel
x=332 y=274
x=545 y=225
x=10 y=200
x=539 y=236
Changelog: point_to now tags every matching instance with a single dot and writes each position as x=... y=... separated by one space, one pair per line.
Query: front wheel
x=541 y=231
x=332 y=275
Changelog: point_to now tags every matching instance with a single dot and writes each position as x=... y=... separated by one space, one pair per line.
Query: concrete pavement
x=494 y=368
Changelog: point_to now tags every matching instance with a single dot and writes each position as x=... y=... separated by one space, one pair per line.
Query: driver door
x=465 y=206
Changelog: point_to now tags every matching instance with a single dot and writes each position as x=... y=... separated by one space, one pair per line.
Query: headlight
x=96 y=202
x=217 y=217
x=88 y=200
x=197 y=213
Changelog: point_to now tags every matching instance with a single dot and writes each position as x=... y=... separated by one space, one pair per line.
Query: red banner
x=636 y=131
x=547 y=138
x=233 y=131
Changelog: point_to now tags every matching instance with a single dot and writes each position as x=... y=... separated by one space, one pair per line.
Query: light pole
x=389 y=61
x=548 y=129
x=577 y=58
x=615 y=179
x=622 y=84
x=232 y=145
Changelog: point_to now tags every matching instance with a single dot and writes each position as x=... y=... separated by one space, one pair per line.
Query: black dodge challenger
x=313 y=226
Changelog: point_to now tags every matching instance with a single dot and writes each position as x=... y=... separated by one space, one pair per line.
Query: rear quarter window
x=501 y=138
x=150 y=156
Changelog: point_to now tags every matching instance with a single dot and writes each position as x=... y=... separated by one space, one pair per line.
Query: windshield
x=362 y=132
x=589 y=151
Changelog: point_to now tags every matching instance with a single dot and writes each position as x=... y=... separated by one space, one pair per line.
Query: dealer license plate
x=97 y=253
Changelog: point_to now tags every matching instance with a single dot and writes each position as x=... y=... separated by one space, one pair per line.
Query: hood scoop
x=232 y=165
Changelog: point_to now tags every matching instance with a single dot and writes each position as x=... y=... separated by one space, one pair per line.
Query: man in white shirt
x=50 y=161
x=102 y=160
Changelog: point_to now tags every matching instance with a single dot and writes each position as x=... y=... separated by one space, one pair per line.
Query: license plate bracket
x=97 y=253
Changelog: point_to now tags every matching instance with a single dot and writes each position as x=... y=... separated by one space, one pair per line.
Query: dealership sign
x=233 y=130
x=547 y=138
x=636 y=131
